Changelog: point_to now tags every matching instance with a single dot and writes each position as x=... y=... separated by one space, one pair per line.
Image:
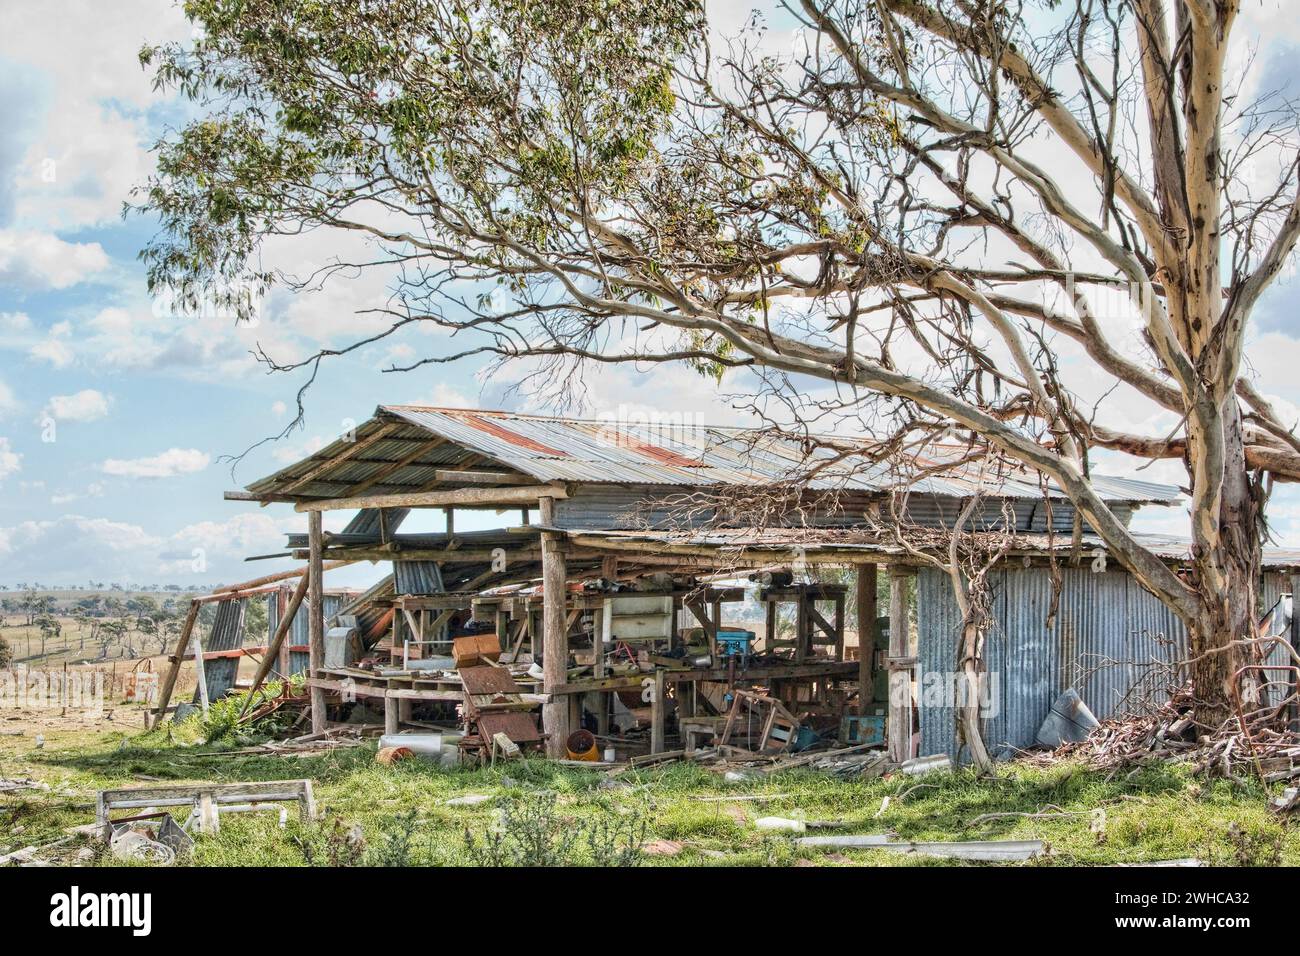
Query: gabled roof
x=403 y=447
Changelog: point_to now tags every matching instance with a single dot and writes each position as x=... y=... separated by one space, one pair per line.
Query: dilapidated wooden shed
x=596 y=515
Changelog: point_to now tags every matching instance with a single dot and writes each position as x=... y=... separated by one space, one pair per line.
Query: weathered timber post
x=900 y=667
x=177 y=656
x=555 y=633
x=282 y=598
x=316 y=618
x=866 y=582
x=657 y=713
x=392 y=715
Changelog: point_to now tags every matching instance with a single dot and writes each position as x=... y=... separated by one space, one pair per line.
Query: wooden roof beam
x=451 y=475
x=518 y=495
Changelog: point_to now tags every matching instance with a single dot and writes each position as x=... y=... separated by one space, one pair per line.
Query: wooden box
x=473 y=648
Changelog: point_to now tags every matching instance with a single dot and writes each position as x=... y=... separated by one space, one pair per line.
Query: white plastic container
x=431 y=744
x=780 y=823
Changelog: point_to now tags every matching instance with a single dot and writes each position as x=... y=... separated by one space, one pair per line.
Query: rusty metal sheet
x=488 y=680
x=519 y=727
x=676 y=453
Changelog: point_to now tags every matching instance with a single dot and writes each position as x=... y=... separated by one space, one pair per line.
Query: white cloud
x=55 y=351
x=86 y=405
x=168 y=464
x=15 y=322
x=89 y=143
x=41 y=260
x=238 y=536
x=10 y=460
x=93 y=490
x=446 y=396
x=278 y=409
x=288 y=452
x=8 y=403
x=72 y=537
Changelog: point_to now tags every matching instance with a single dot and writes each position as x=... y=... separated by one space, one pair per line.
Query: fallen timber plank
x=516 y=495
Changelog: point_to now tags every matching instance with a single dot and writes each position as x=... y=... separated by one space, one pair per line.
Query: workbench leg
x=602 y=718
x=657 y=710
x=392 y=714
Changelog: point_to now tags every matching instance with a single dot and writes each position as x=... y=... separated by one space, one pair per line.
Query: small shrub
x=396 y=847
x=335 y=844
x=1261 y=847
x=530 y=832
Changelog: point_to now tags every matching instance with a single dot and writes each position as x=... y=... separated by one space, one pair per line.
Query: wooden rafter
x=395 y=467
x=358 y=446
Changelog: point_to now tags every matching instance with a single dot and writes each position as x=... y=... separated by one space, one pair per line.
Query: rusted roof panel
x=548 y=448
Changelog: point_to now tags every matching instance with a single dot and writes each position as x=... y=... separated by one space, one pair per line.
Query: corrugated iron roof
x=550 y=448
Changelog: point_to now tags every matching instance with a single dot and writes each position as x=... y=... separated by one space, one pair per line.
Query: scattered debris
x=1000 y=851
x=1068 y=721
x=920 y=765
x=1185 y=861
x=469 y=800
x=781 y=823
x=130 y=844
x=1251 y=743
x=391 y=755
x=662 y=848
x=206 y=801
x=742 y=796
x=1047 y=813
x=1289 y=800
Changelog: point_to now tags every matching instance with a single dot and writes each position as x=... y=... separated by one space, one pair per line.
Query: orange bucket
x=581 y=745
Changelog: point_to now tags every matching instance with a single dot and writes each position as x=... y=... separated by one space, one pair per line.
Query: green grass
x=398 y=814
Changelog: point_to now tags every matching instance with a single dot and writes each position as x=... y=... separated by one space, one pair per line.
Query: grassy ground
x=399 y=815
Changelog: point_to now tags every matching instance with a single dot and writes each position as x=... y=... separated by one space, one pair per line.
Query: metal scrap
x=993 y=851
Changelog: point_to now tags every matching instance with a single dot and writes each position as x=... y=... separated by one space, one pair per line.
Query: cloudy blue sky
x=115 y=415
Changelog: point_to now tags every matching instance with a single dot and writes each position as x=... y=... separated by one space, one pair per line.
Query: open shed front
x=601 y=621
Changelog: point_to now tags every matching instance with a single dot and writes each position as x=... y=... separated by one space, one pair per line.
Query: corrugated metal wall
x=299 y=631
x=227 y=634
x=1112 y=640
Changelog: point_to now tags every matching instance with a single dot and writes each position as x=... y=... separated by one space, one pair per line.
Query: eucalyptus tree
x=931 y=213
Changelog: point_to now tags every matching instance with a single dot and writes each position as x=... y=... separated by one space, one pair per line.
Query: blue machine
x=867 y=729
x=736 y=644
